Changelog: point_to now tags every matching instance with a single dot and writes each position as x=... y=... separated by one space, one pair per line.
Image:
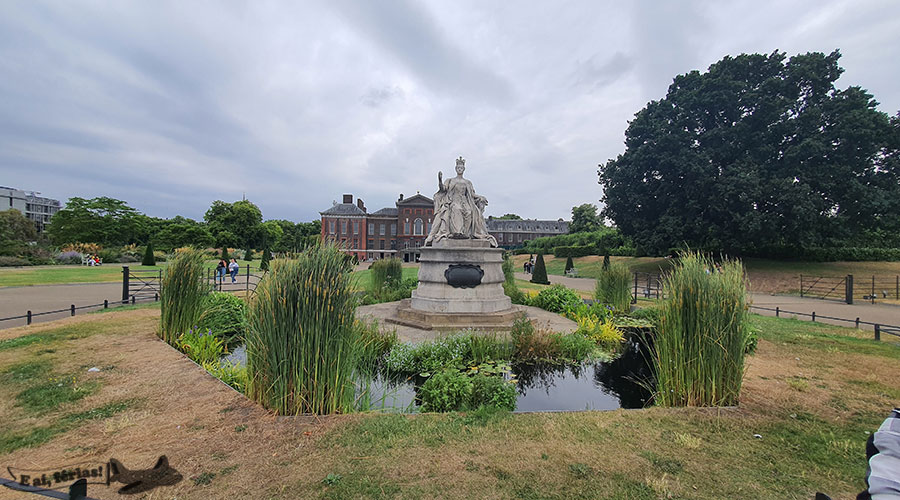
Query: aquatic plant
x=612 y=287
x=698 y=353
x=557 y=299
x=201 y=346
x=301 y=344
x=182 y=291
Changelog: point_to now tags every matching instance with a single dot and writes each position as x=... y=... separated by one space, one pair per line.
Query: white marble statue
x=458 y=211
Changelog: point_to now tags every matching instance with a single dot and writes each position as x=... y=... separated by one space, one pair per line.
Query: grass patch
x=27 y=372
x=820 y=337
x=53 y=393
x=68 y=332
x=13 y=440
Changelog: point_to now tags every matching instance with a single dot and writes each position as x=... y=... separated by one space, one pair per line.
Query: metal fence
x=849 y=288
x=646 y=285
x=72 y=309
x=246 y=280
x=878 y=327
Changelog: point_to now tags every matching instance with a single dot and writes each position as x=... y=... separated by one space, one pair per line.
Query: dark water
x=621 y=383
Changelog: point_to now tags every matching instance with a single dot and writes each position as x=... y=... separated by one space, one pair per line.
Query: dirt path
x=16 y=301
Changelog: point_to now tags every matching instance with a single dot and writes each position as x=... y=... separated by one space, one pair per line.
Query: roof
x=416 y=198
x=385 y=212
x=344 y=209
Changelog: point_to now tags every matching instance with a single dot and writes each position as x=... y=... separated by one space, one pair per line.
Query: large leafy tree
x=234 y=224
x=760 y=151
x=15 y=231
x=584 y=219
x=102 y=220
x=180 y=232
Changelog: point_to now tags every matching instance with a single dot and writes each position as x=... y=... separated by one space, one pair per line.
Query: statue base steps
x=424 y=320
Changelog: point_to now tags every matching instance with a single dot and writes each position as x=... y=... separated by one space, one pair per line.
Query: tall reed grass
x=612 y=287
x=386 y=272
x=301 y=353
x=698 y=352
x=182 y=291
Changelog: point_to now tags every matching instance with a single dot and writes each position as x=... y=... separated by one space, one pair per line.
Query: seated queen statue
x=458 y=211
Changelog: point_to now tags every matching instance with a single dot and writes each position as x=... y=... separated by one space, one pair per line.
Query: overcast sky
x=171 y=105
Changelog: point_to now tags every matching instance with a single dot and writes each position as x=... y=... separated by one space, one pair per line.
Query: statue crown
x=460 y=162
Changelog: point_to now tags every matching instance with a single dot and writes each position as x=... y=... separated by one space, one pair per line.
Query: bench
x=87 y=261
x=572 y=273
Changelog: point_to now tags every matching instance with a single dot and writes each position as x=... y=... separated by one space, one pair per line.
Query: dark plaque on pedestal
x=464 y=275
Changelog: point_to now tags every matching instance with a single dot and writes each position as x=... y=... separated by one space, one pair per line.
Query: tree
x=149 y=259
x=225 y=255
x=234 y=224
x=248 y=254
x=102 y=220
x=15 y=231
x=758 y=152
x=180 y=232
x=508 y=217
x=539 y=275
x=266 y=257
x=584 y=219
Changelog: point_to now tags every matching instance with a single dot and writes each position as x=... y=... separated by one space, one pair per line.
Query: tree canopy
x=102 y=220
x=585 y=219
x=15 y=230
x=760 y=151
x=509 y=217
x=234 y=224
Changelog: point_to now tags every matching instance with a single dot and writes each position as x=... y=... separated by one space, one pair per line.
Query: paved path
x=16 y=301
x=877 y=313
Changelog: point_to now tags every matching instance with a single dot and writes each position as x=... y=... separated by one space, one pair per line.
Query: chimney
x=348 y=198
x=401 y=197
x=361 y=204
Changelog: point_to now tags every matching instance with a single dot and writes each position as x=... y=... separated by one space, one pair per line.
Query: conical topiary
x=539 y=275
x=266 y=257
x=225 y=255
x=248 y=254
x=149 y=259
x=569 y=264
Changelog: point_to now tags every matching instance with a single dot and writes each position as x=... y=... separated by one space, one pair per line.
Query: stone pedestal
x=447 y=280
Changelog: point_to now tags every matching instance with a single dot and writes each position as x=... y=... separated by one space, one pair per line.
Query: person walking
x=233 y=268
x=220 y=270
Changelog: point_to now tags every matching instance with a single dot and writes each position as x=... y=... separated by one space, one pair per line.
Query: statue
x=458 y=211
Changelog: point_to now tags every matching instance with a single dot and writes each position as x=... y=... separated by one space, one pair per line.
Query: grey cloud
x=375 y=97
x=599 y=71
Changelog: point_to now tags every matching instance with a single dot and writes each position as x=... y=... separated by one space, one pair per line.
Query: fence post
x=848 y=289
x=72 y=309
x=125 y=277
x=857 y=322
x=777 y=311
x=897 y=290
x=873 y=289
x=28 y=317
x=801 y=285
x=156 y=297
x=105 y=304
x=877 y=331
x=132 y=300
x=247 y=291
x=814 y=316
x=634 y=297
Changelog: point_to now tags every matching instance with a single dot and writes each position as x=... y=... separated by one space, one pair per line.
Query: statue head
x=460 y=165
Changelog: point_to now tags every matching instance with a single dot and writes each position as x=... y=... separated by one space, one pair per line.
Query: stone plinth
x=435 y=294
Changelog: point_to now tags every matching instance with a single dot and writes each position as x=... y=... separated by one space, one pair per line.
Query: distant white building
x=36 y=208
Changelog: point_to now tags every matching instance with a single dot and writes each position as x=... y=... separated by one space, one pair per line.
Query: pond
x=620 y=383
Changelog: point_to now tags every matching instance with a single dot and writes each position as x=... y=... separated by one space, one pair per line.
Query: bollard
x=155 y=297
x=857 y=323
x=777 y=311
x=28 y=317
x=132 y=300
x=72 y=308
x=877 y=331
x=105 y=304
x=125 y=284
x=814 y=316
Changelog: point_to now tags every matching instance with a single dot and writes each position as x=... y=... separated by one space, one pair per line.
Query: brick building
x=400 y=231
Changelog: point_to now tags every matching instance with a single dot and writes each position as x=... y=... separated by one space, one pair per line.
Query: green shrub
x=148 y=259
x=650 y=313
x=605 y=237
x=448 y=390
x=109 y=255
x=7 y=261
x=698 y=353
x=493 y=391
x=201 y=346
x=573 y=347
x=457 y=351
x=574 y=251
x=531 y=344
x=613 y=287
x=509 y=282
x=225 y=315
x=557 y=299
x=265 y=259
x=301 y=344
x=182 y=291
x=159 y=256
x=232 y=374
x=539 y=275
x=386 y=273
x=248 y=254
x=401 y=359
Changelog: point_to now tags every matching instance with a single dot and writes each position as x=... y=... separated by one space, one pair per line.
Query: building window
x=418 y=211
x=381 y=229
x=417 y=227
x=500 y=236
x=406 y=227
x=393 y=244
x=381 y=244
x=371 y=228
x=371 y=243
x=356 y=227
x=331 y=227
x=394 y=229
x=343 y=227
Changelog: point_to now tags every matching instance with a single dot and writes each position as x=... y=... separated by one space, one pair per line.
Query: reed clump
x=612 y=287
x=182 y=291
x=301 y=342
x=386 y=272
x=698 y=352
